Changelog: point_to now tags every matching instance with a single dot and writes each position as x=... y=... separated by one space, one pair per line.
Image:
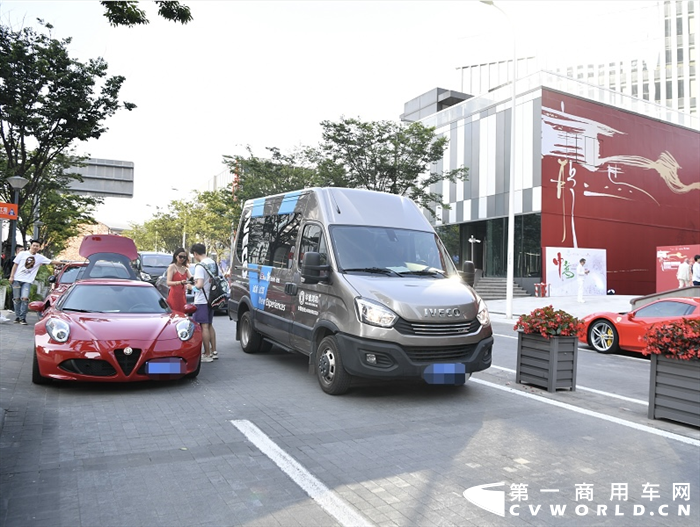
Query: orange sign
x=8 y=211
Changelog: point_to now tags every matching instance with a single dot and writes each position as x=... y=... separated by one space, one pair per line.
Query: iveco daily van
x=360 y=282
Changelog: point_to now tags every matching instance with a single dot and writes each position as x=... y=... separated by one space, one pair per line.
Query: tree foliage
x=47 y=102
x=207 y=217
x=130 y=14
x=385 y=156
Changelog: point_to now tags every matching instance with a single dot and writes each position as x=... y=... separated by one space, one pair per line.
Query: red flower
x=549 y=323
x=676 y=340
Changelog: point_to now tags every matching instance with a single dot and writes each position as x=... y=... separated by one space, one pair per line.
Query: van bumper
x=394 y=361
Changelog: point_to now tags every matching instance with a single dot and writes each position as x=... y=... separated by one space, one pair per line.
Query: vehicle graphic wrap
x=258 y=283
x=254 y=256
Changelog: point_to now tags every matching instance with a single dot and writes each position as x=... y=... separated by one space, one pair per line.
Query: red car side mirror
x=189 y=309
x=37 y=305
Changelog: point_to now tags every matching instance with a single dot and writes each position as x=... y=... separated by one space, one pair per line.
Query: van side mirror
x=311 y=268
x=468 y=272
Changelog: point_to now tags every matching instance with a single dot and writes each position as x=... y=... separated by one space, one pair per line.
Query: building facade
x=594 y=169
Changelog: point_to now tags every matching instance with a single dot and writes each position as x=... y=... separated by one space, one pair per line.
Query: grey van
x=360 y=282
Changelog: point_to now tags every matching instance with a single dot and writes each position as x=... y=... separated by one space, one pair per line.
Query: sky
x=266 y=73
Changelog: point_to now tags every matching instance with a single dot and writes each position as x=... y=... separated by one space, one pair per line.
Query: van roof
x=353 y=206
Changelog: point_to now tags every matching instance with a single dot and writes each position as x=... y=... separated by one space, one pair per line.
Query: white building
x=656 y=61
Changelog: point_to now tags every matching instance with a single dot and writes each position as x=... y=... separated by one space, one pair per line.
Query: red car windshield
x=102 y=298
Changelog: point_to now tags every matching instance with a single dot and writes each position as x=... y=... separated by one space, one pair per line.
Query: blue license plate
x=171 y=366
x=445 y=374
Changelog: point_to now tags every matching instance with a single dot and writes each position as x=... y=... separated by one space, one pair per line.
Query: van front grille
x=427 y=329
x=440 y=353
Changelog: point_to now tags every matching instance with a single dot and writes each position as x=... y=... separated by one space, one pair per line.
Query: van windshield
x=392 y=252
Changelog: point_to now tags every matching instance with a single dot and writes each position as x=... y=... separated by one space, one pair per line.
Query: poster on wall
x=560 y=271
x=668 y=258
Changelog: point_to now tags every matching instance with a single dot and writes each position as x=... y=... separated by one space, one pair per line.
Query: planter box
x=674 y=390
x=547 y=363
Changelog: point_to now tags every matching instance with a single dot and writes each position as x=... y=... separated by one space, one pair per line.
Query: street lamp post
x=157 y=207
x=472 y=241
x=510 y=269
x=184 y=223
x=17 y=183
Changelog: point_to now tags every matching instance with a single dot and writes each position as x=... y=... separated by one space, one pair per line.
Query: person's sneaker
x=17 y=320
x=23 y=322
x=207 y=359
x=214 y=355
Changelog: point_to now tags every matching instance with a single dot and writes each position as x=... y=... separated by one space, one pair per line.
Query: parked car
x=152 y=265
x=61 y=281
x=110 y=327
x=164 y=288
x=609 y=332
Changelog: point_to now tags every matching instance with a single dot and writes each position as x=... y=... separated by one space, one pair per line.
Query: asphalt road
x=254 y=441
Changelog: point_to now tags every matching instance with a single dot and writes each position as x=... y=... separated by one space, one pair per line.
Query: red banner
x=8 y=211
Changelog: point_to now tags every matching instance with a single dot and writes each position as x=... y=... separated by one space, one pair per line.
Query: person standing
x=696 y=270
x=581 y=273
x=204 y=314
x=176 y=278
x=683 y=274
x=24 y=269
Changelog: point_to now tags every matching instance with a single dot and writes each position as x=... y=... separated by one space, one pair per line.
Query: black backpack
x=218 y=292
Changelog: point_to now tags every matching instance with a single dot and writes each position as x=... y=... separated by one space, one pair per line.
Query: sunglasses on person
x=183 y=256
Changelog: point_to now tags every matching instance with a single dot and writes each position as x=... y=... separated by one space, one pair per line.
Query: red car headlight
x=185 y=330
x=58 y=329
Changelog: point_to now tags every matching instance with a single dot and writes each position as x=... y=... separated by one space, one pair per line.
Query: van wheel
x=332 y=377
x=37 y=378
x=251 y=340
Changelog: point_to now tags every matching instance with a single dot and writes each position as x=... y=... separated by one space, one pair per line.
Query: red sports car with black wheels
x=110 y=327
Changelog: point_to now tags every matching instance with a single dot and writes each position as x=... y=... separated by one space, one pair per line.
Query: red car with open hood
x=110 y=327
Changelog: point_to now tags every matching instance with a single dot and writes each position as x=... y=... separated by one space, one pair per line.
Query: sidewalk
x=592 y=304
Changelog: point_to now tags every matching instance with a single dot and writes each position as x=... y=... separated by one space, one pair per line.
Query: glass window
x=92 y=298
x=393 y=251
x=665 y=309
x=313 y=241
x=69 y=275
x=270 y=240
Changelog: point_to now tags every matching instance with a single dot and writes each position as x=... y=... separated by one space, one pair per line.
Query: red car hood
x=108 y=243
x=123 y=326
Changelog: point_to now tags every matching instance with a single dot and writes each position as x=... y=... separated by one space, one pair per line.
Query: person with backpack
x=203 y=270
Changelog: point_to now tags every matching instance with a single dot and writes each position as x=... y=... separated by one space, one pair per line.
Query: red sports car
x=610 y=332
x=109 y=326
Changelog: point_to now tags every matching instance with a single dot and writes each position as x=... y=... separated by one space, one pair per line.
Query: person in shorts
x=204 y=314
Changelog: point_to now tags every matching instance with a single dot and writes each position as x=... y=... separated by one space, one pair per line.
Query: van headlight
x=482 y=313
x=374 y=314
x=185 y=330
x=58 y=329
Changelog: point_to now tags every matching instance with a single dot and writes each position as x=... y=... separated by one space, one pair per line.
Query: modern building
x=595 y=170
x=658 y=63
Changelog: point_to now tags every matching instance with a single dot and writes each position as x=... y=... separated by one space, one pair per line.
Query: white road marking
x=597 y=415
x=593 y=390
x=326 y=498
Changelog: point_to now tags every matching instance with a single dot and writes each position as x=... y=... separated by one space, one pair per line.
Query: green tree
x=48 y=101
x=129 y=14
x=257 y=177
x=385 y=156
